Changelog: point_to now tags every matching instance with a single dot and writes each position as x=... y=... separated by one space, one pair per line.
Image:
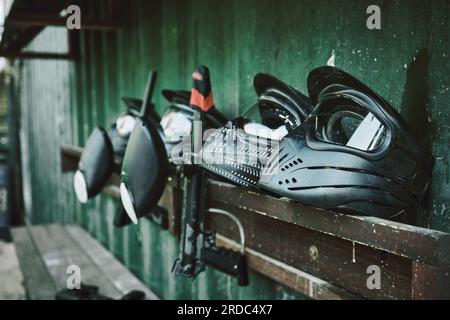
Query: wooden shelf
x=323 y=254
x=397 y=238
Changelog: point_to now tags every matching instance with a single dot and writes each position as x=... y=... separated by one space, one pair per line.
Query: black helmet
x=148 y=156
x=145 y=166
x=238 y=150
x=103 y=154
x=354 y=154
x=144 y=155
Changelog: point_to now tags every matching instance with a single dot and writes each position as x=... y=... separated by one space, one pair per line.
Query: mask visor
x=349 y=125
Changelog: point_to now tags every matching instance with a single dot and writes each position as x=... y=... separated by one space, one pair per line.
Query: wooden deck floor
x=46 y=251
x=11 y=287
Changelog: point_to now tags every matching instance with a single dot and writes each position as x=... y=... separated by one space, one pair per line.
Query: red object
x=200 y=101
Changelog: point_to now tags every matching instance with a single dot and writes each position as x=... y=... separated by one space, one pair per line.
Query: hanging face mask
x=238 y=150
x=145 y=164
x=147 y=159
x=354 y=154
x=103 y=154
x=158 y=215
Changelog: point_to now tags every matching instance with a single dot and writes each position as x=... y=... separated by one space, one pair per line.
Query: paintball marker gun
x=198 y=246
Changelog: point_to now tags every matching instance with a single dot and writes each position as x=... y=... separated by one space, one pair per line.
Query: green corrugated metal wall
x=61 y=102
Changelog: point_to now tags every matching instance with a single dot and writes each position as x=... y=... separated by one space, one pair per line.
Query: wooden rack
x=322 y=254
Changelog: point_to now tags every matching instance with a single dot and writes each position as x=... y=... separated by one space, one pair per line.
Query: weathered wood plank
x=116 y=272
x=38 y=282
x=171 y=200
x=415 y=243
x=71 y=253
x=35 y=55
x=324 y=256
x=70 y=155
x=112 y=190
x=293 y=278
x=16 y=37
x=51 y=253
x=430 y=282
x=37 y=19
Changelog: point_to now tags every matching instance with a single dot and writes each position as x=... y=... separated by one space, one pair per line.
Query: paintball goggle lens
x=347 y=124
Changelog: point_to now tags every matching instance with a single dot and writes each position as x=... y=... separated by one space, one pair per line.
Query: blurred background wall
x=57 y=102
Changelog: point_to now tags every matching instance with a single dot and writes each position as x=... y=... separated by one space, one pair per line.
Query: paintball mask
x=103 y=154
x=354 y=154
x=145 y=166
x=153 y=148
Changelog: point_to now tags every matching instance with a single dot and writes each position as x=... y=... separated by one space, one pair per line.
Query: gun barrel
x=147 y=102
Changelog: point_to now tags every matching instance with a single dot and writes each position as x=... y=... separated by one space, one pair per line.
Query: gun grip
x=242 y=270
x=228 y=261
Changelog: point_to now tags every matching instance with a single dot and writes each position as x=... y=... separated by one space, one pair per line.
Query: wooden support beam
x=35 y=55
x=430 y=282
x=70 y=155
x=34 y=19
x=329 y=258
x=398 y=238
x=294 y=278
x=171 y=200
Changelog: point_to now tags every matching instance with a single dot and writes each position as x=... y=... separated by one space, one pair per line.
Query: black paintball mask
x=238 y=151
x=145 y=165
x=354 y=154
x=150 y=158
x=103 y=153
